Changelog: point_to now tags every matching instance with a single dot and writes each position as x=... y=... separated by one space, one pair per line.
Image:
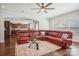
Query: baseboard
x=75 y=41
x=1 y=42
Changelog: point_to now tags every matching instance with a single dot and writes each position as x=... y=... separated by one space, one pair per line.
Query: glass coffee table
x=36 y=42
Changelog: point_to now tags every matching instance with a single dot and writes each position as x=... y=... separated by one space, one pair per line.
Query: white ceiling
x=15 y=10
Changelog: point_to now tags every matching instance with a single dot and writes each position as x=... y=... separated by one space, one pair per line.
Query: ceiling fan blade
x=38 y=4
x=48 y=4
x=35 y=8
x=45 y=11
x=50 y=8
x=39 y=11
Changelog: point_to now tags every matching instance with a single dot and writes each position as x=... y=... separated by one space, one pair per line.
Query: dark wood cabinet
x=6 y=30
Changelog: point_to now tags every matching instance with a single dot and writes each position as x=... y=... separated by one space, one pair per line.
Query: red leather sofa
x=52 y=36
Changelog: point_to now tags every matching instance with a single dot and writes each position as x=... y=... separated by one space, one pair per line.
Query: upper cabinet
x=24 y=24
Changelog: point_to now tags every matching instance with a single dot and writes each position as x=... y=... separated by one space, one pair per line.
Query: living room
x=43 y=22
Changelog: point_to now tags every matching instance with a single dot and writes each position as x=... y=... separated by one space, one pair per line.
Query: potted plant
x=33 y=38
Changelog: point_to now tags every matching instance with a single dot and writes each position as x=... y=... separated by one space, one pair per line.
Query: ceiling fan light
x=42 y=9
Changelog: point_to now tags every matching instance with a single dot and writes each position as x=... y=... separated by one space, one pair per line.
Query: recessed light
x=2 y=6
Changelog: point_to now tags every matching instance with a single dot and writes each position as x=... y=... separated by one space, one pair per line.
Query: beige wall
x=1 y=30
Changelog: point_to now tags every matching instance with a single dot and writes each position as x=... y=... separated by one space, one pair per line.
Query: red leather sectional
x=22 y=37
x=54 y=37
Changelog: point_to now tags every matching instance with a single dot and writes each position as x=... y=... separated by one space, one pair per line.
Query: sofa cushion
x=53 y=38
x=22 y=40
x=55 y=34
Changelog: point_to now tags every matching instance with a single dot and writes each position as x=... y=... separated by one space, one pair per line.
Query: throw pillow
x=64 y=36
x=46 y=33
x=42 y=33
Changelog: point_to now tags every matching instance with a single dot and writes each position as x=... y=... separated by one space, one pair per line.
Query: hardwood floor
x=8 y=49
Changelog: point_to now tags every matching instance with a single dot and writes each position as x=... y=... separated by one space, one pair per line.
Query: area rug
x=44 y=48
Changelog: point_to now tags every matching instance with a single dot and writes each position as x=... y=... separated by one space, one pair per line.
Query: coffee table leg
x=30 y=45
x=37 y=46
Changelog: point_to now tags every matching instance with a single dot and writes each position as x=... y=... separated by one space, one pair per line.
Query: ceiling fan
x=43 y=7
